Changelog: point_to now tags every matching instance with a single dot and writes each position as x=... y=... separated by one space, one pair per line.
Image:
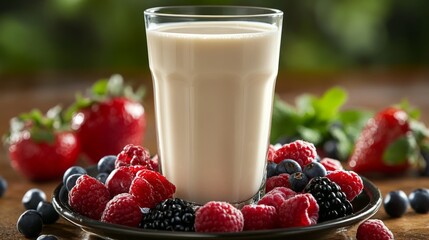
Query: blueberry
x=30 y=224
x=32 y=197
x=48 y=213
x=47 y=237
x=396 y=203
x=419 y=200
x=271 y=169
x=71 y=171
x=288 y=166
x=314 y=169
x=71 y=181
x=106 y=164
x=102 y=177
x=298 y=181
x=3 y=186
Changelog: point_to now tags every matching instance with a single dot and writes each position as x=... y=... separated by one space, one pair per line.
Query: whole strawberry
x=40 y=146
x=110 y=118
x=385 y=144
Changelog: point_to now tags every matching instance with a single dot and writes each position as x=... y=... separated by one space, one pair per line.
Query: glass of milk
x=214 y=70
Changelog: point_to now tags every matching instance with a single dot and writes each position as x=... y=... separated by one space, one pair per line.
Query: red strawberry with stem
x=41 y=147
x=388 y=143
x=111 y=117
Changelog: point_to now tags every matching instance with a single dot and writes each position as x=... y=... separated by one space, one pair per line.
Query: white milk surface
x=213 y=86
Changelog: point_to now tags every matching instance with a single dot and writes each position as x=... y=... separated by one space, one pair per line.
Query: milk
x=213 y=87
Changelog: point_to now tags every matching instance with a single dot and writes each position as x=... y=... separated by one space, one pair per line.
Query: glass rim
x=156 y=11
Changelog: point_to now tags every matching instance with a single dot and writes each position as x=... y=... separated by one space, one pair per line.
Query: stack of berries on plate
x=128 y=190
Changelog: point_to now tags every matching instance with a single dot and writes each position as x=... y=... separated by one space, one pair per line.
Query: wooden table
x=369 y=90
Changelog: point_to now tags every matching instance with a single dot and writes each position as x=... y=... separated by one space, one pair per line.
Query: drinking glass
x=214 y=70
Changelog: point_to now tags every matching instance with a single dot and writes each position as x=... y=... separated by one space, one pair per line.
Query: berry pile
x=301 y=190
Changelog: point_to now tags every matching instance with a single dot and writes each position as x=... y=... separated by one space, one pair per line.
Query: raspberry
x=123 y=209
x=331 y=164
x=301 y=151
x=277 y=196
x=218 y=216
x=143 y=192
x=150 y=188
x=119 y=181
x=133 y=155
x=351 y=184
x=299 y=211
x=373 y=229
x=271 y=153
x=89 y=197
x=258 y=217
x=281 y=180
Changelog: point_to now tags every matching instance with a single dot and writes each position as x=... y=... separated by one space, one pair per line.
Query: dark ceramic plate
x=365 y=206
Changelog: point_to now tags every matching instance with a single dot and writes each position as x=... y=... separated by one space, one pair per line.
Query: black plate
x=365 y=206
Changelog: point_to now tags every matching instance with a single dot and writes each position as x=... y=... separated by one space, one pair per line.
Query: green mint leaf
x=309 y=134
x=328 y=106
x=304 y=105
x=285 y=120
x=400 y=151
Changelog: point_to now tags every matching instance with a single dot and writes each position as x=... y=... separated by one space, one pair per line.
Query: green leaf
x=412 y=112
x=42 y=135
x=400 y=151
x=100 y=88
x=328 y=106
x=309 y=134
x=285 y=120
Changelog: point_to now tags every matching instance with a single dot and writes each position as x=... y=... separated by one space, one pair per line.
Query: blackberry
x=173 y=214
x=331 y=200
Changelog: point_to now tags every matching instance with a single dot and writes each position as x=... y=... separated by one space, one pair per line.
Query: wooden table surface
x=372 y=90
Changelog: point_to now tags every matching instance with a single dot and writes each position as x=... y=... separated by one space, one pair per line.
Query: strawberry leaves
x=41 y=127
x=103 y=90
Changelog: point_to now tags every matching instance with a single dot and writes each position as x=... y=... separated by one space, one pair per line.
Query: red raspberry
x=142 y=190
x=373 y=229
x=271 y=153
x=123 y=209
x=258 y=217
x=218 y=216
x=277 y=196
x=301 y=151
x=331 y=164
x=133 y=155
x=89 y=197
x=350 y=182
x=150 y=188
x=281 y=180
x=299 y=211
x=119 y=181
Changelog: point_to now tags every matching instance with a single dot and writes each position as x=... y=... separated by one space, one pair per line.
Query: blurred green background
x=100 y=35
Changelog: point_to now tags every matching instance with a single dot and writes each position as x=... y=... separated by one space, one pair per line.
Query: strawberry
x=387 y=143
x=109 y=118
x=40 y=146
